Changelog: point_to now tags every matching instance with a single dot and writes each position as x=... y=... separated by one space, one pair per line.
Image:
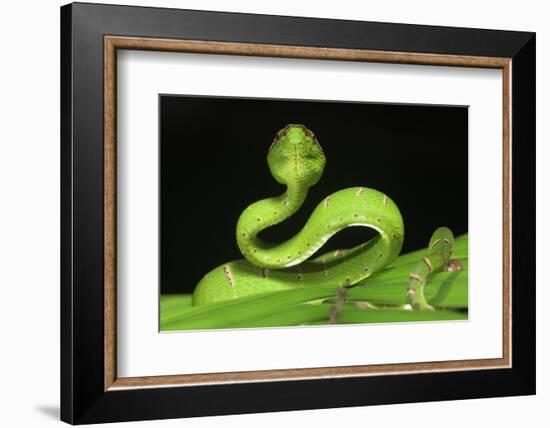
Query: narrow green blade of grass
x=173 y=304
x=238 y=311
x=445 y=289
x=295 y=315
x=352 y=315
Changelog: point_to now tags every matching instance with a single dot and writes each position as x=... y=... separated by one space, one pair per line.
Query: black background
x=213 y=164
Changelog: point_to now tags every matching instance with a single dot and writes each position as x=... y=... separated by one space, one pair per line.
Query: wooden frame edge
x=112 y=43
x=110 y=213
x=507 y=213
x=301 y=52
x=299 y=374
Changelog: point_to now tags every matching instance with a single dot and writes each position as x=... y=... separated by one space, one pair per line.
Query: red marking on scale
x=229 y=276
x=454 y=265
x=415 y=277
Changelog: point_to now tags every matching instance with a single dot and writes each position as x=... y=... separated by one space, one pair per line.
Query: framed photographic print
x=321 y=213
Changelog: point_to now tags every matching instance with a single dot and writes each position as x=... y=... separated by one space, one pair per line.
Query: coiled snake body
x=296 y=160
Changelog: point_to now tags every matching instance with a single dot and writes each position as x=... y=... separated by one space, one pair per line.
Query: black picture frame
x=84 y=398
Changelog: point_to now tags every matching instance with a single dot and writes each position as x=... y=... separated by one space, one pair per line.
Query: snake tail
x=437 y=259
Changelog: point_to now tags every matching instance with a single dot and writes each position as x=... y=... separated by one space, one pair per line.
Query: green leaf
x=352 y=315
x=246 y=309
x=172 y=305
x=445 y=289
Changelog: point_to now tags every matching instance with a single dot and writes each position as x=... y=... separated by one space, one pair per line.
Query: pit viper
x=296 y=160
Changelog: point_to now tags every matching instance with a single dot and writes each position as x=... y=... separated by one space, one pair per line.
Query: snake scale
x=296 y=160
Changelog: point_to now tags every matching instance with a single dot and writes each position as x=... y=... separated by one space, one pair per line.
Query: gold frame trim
x=113 y=43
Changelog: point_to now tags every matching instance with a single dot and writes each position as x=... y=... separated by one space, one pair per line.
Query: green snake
x=296 y=160
x=437 y=259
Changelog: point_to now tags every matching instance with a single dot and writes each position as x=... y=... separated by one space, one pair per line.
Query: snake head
x=295 y=157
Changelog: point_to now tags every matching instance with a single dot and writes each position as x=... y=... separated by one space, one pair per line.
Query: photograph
x=294 y=213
